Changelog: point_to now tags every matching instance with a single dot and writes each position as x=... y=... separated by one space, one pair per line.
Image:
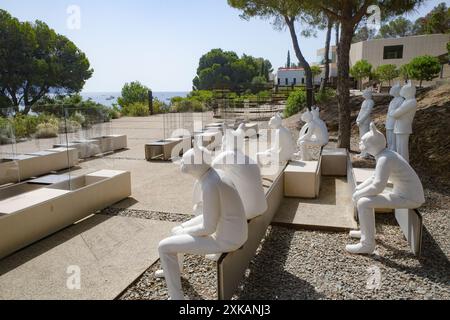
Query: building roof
x=290 y=69
x=400 y=38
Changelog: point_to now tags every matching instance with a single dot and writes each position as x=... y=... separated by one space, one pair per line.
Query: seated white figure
x=244 y=172
x=370 y=195
x=396 y=102
x=365 y=117
x=234 y=139
x=221 y=227
x=283 y=147
x=313 y=133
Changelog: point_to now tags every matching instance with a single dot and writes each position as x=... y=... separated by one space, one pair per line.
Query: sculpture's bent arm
x=379 y=182
x=364 y=115
x=365 y=183
x=404 y=109
x=211 y=214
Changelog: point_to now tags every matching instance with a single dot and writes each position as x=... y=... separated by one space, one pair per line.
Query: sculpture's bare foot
x=360 y=249
x=214 y=257
x=355 y=234
x=159 y=274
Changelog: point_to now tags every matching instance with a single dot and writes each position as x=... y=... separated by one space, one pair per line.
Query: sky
x=159 y=42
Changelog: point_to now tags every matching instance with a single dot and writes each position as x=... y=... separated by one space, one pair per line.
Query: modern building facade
x=396 y=51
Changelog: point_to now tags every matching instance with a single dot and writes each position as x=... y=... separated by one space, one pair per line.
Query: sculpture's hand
x=356 y=197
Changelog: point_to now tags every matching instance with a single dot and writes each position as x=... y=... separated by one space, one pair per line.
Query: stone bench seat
x=302 y=179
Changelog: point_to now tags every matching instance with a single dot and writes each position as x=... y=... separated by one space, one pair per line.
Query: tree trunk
x=327 y=57
x=344 y=84
x=298 y=52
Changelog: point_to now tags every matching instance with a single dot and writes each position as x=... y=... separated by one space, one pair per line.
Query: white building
x=292 y=77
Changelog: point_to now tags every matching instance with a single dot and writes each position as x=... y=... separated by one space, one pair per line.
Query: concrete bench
x=23 y=167
x=164 y=149
x=231 y=267
x=302 y=179
x=87 y=148
x=334 y=162
x=31 y=213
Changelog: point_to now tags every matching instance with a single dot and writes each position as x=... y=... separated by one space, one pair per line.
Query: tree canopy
x=361 y=70
x=424 y=68
x=35 y=61
x=387 y=72
x=225 y=69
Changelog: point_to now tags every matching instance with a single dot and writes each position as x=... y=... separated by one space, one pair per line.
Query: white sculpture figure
x=404 y=118
x=238 y=136
x=323 y=126
x=365 y=116
x=313 y=133
x=390 y=120
x=221 y=227
x=370 y=195
x=283 y=147
x=243 y=172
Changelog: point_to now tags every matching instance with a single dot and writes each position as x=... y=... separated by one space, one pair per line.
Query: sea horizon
x=109 y=98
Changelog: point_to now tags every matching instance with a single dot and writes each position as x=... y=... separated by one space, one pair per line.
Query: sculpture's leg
x=403 y=146
x=306 y=156
x=366 y=212
x=363 y=129
x=197 y=220
x=391 y=139
x=168 y=250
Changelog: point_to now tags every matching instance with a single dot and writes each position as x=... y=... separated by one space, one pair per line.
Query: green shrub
x=295 y=103
x=78 y=117
x=47 y=130
x=188 y=105
x=325 y=96
x=159 y=106
x=69 y=126
x=137 y=109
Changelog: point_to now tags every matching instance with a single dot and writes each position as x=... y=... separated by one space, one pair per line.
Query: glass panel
x=9 y=169
x=89 y=141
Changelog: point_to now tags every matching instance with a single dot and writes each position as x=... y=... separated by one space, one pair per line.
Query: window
x=393 y=52
x=303 y=80
x=279 y=81
x=286 y=81
x=295 y=81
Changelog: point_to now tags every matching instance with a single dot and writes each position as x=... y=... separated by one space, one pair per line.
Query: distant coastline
x=109 y=98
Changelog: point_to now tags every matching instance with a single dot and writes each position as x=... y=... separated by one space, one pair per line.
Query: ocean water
x=109 y=98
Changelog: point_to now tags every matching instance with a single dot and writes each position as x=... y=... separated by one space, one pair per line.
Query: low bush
x=69 y=126
x=137 y=109
x=47 y=130
x=327 y=95
x=295 y=103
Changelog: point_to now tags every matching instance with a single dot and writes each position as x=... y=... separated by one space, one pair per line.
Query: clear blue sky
x=159 y=42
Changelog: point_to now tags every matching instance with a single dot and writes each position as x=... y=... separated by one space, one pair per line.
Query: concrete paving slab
x=109 y=252
x=333 y=210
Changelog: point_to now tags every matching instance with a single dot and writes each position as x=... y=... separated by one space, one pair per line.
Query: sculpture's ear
x=197 y=142
x=373 y=128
